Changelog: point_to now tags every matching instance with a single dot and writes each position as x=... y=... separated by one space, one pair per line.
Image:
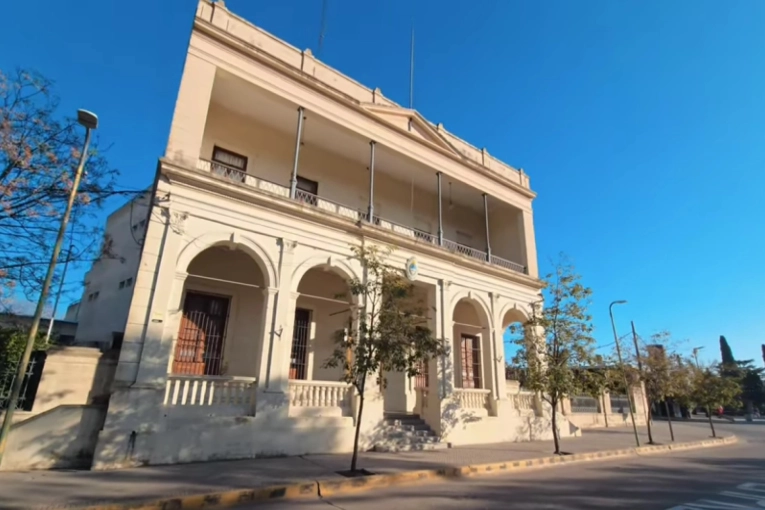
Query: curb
x=325 y=488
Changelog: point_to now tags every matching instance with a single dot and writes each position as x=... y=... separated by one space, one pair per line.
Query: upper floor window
x=230 y=159
x=307 y=190
x=307 y=185
x=92 y=296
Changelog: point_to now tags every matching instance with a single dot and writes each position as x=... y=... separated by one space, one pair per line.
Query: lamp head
x=87 y=119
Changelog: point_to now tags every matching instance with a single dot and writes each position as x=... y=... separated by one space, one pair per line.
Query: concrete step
x=401 y=416
x=409 y=421
x=410 y=433
x=410 y=426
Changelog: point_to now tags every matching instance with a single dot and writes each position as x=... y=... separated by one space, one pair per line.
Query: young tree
x=662 y=373
x=561 y=347
x=387 y=329
x=712 y=390
x=39 y=149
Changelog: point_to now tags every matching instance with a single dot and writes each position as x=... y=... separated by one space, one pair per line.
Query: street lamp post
x=696 y=355
x=89 y=121
x=621 y=366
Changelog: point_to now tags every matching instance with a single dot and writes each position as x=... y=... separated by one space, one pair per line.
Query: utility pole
x=621 y=367
x=89 y=121
x=640 y=371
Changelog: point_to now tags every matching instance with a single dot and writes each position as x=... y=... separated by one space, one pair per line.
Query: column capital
x=269 y=291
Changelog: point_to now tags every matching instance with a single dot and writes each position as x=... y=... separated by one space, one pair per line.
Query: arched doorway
x=472 y=345
x=322 y=312
x=221 y=324
x=514 y=325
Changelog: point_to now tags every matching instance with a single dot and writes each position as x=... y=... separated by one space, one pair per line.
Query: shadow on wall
x=141 y=430
x=62 y=428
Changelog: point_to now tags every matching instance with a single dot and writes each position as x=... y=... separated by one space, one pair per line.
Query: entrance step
x=408 y=432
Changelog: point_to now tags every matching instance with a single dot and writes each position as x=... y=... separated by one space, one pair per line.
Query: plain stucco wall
x=64 y=437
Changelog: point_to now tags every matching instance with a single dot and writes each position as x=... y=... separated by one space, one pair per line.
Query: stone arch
x=472 y=341
x=223 y=299
x=511 y=313
x=477 y=299
x=234 y=241
x=322 y=302
x=337 y=265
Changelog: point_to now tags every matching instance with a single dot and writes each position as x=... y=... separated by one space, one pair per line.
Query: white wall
x=100 y=317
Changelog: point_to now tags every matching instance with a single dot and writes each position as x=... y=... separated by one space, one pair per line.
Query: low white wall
x=596 y=420
x=63 y=437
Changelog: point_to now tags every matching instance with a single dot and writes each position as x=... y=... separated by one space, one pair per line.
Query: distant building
x=108 y=287
x=63 y=330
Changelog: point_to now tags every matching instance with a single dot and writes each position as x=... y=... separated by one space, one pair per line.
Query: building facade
x=275 y=166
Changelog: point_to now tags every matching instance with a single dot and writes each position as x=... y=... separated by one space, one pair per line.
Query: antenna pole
x=323 y=27
x=411 y=71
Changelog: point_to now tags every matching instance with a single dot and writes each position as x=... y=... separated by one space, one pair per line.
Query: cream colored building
x=277 y=164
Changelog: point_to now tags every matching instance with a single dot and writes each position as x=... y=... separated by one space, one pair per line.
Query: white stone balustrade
x=323 y=394
x=211 y=392
x=523 y=402
x=473 y=398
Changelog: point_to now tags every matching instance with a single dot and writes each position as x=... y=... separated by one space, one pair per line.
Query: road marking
x=748 y=495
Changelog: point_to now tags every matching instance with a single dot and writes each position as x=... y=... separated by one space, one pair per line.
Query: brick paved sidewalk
x=68 y=488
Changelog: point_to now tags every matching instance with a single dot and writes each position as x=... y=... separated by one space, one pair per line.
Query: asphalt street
x=729 y=477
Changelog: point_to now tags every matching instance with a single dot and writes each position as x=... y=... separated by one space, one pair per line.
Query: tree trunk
x=669 y=420
x=603 y=404
x=711 y=425
x=648 y=422
x=355 y=456
x=555 y=428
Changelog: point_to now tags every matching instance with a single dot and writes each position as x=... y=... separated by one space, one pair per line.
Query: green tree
x=712 y=390
x=12 y=343
x=726 y=353
x=664 y=374
x=561 y=347
x=388 y=329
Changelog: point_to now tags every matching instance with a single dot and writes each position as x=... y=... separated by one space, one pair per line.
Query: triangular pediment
x=411 y=121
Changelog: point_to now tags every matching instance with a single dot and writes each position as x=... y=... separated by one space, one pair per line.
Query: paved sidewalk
x=67 y=489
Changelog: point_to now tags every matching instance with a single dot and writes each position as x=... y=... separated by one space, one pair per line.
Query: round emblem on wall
x=412 y=268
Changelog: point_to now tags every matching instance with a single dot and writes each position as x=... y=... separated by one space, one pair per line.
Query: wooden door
x=470 y=361
x=199 y=348
x=299 y=357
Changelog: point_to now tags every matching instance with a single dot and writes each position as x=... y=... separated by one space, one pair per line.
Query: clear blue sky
x=641 y=123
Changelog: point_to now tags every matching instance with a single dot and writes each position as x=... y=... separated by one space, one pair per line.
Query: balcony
x=353 y=214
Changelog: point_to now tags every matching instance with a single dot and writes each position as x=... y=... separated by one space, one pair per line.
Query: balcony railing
x=353 y=213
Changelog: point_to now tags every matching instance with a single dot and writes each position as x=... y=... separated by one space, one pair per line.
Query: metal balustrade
x=464 y=250
x=620 y=404
x=584 y=404
x=353 y=213
x=508 y=264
